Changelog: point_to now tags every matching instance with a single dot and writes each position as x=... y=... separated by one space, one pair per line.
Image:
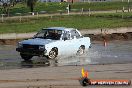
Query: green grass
x=101 y=5
x=54 y=7
x=114 y=20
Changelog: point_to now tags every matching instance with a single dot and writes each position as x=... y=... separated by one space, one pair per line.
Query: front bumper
x=31 y=51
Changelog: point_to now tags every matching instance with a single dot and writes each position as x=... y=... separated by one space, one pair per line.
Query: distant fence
x=21 y=18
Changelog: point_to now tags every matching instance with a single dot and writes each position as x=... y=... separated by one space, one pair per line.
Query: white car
x=54 y=42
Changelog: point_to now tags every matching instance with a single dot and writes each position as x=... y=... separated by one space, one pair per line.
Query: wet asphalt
x=115 y=52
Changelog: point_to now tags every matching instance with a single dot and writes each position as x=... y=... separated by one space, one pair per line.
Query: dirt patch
x=63 y=76
x=9 y=41
x=110 y=37
x=93 y=37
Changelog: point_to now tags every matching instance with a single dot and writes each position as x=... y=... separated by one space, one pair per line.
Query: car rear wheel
x=81 y=50
x=26 y=57
x=52 y=53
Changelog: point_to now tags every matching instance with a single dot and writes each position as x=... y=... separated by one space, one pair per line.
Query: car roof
x=60 y=28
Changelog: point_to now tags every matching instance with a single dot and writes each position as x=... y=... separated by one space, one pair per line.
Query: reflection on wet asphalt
x=114 y=52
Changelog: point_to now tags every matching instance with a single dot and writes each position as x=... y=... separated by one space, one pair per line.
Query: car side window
x=66 y=36
x=74 y=33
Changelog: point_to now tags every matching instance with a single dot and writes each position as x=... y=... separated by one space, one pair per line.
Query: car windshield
x=49 y=34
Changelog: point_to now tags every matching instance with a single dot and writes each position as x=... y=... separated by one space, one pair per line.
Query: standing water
x=113 y=52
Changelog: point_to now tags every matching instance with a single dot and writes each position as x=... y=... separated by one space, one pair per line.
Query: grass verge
x=111 y=20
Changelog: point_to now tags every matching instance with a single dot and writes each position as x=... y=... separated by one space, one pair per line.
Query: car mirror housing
x=65 y=38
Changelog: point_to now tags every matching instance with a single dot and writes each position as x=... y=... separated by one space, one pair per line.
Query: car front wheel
x=52 y=53
x=26 y=57
x=81 y=50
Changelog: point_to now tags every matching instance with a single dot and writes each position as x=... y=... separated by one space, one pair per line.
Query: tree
x=31 y=4
x=6 y=5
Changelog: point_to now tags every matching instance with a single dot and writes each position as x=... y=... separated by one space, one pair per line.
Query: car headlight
x=20 y=45
x=42 y=47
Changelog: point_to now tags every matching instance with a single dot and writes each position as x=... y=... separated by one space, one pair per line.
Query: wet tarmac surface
x=114 y=52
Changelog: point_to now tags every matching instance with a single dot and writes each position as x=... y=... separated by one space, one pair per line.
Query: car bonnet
x=37 y=41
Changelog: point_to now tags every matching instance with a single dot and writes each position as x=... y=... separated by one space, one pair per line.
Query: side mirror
x=65 y=38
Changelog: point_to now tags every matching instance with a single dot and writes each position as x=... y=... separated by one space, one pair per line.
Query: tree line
x=6 y=5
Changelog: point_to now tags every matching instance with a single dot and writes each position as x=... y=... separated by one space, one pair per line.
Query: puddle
x=114 y=52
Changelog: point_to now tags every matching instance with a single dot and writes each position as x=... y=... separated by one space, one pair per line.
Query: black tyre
x=85 y=82
x=26 y=57
x=53 y=53
x=81 y=50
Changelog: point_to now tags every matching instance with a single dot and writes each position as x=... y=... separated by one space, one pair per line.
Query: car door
x=76 y=41
x=71 y=42
x=65 y=47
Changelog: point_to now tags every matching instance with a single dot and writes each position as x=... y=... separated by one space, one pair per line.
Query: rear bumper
x=31 y=51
